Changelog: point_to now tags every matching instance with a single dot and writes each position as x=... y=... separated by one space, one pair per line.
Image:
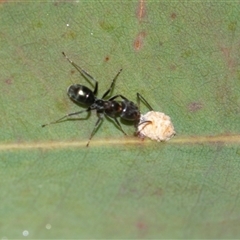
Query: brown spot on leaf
x=231 y=62
x=56 y=3
x=195 y=106
x=138 y=43
x=106 y=58
x=141 y=225
x=70 y=34
x=8 y=81
x=142 y=228
x=173 y=15
x=173 y=67
x=232 y=26
x=158 y=192
x=141 y=10
x=106 y=26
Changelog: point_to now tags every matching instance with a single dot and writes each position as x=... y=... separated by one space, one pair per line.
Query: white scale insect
x=156 y=126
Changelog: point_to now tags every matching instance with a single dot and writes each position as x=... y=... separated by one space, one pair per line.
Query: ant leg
x=119 y=95
x=99 y=121
x=119 y=125
x=140 y=97
x=66 y=116
x=112 y=84
x=138 y=132
x=83 y=72
x=146 y=122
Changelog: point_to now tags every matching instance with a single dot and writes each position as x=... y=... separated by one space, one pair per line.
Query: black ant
x=82 y=95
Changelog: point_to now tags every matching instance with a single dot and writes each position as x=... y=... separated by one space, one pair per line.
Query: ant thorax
x=112 y=108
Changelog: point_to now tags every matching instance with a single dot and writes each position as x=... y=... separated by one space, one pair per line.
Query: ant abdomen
x=81 y=94
x=130 y=111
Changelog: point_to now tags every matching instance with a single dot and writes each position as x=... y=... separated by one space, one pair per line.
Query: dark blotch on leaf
x=106 y=26
x=195 y=106
x=8 y=81
x=106 y=59
x=232 y=26
x=173 y=15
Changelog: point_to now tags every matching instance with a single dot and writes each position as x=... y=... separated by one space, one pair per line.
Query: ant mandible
x=82 y=95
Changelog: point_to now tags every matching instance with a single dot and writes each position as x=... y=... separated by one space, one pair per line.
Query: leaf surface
x=183 y=57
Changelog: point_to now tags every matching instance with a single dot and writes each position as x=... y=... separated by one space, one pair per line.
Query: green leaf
x=183 y=57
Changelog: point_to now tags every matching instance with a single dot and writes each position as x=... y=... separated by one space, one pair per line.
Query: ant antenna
x=81 y=70
x=66 y=117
